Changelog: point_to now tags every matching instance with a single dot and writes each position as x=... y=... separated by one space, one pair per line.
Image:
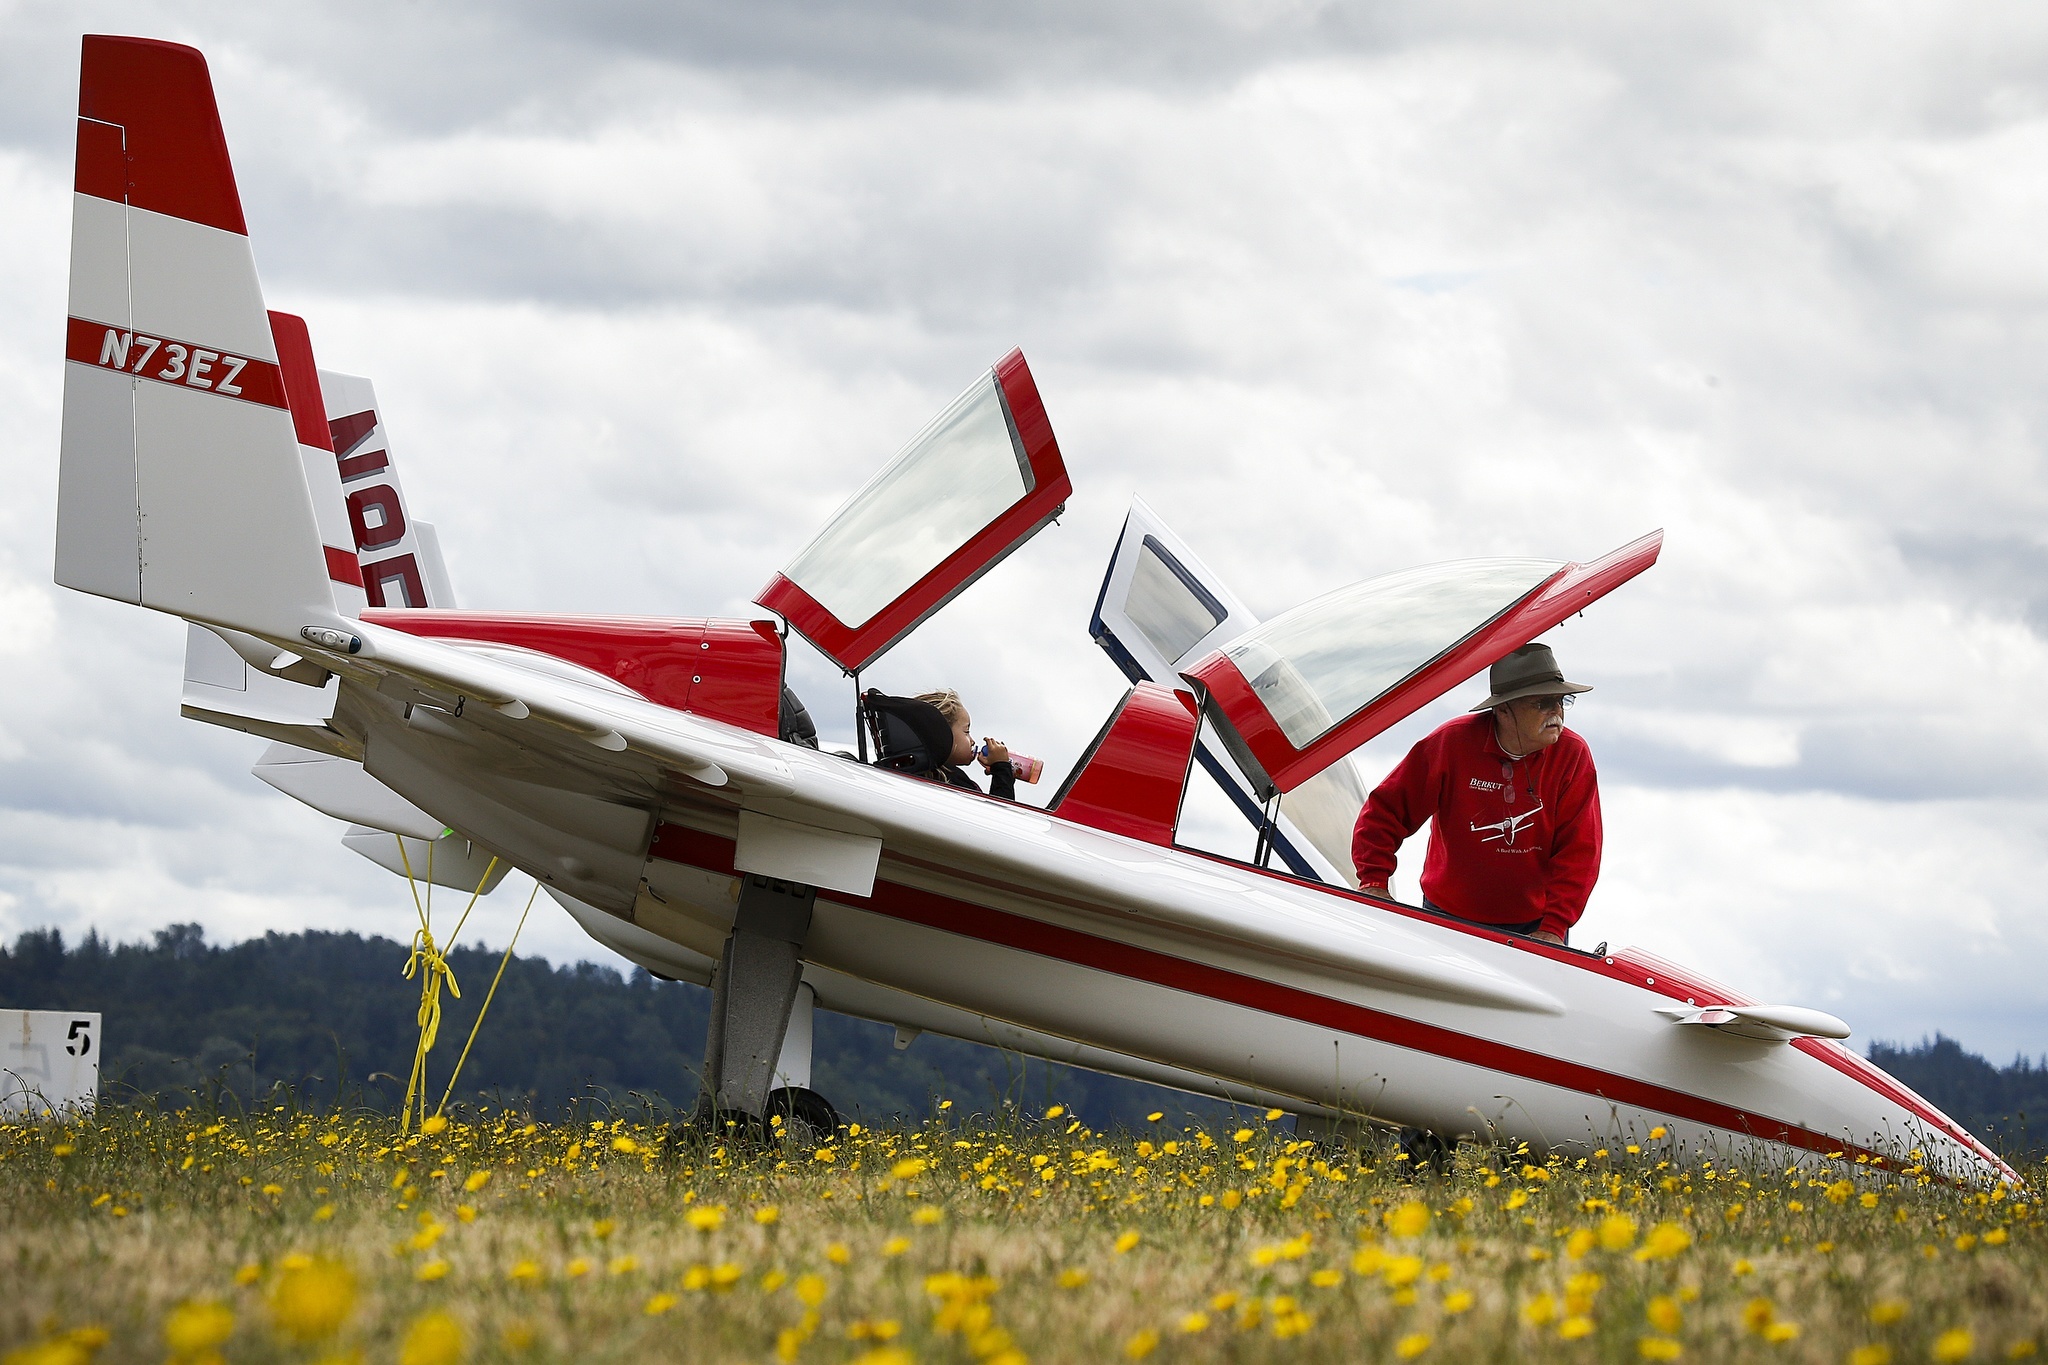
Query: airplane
x=659 y=779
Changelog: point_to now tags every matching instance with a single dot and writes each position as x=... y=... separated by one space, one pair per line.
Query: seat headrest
x=911 y=736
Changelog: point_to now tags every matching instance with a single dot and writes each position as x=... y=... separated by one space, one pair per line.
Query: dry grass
x=282 y=1236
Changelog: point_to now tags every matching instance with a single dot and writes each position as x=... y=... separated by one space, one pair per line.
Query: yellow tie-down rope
x=427 y=961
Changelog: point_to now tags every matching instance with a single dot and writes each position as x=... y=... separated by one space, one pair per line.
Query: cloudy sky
x=646 y=290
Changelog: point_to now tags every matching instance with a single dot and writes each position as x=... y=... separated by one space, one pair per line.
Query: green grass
x=285 y=1236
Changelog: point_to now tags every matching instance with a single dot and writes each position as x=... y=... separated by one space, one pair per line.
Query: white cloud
x=1337 y=289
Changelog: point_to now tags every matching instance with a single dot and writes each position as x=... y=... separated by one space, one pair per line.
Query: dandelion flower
x=706 y=1219
x=1458 y=1301
x=1155 y=1116
x=885 y=1355
x=1412 y=1345
x=435 y=1124
x=430 y=1271
x=1885 y=1312
x=810 y=1290
x=1875 y=1354
x=1409 y=1220
x=312 y=1298
x=1658 y=1348
x=837 y=1254
x=1663 y=1242
x=1126 y=1241
x=625 y=1144
x=1326 y=1278
x=1056 y=1111
x=1242 y=1135
x=525 y=1272
x=1665 y=1315
x=1193 y=1323
x=248 y=1274
x=1272 y=1114
x=198 y=1327
x=895 y=1246
x=1954 y=1344
x=1142 y=1344
x=1073 y=1278
x=910 y=1168
x=477 y=1180
x=433 y=1339
x=767 y=1215
x=1580 y=1242
x=1540 y=1311
x=577 y=1268
x=659 y=1304
x=1657 y=1133
x=1572 y=1328
x=1617 y=1232
x=927 y=1215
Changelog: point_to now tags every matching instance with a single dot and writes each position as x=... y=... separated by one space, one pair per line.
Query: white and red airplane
x=652 y=775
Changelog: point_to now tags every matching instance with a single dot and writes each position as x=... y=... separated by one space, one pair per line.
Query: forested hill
x=329 y=1012
x=323 y=1011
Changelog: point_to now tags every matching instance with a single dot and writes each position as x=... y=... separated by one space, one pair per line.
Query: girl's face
x=963 y=740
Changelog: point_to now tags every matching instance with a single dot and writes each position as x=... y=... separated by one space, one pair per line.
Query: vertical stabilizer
x=181 y=486
x=400 y=557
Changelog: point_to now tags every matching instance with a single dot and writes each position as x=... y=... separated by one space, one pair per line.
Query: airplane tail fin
x=181 y=486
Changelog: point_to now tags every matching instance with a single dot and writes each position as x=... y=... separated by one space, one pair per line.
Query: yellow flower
x=1617 y=1232
x=577 y=1268
x=837 y=1254
x=477 y=1180
x=1995 y=1238
x=518 y=1337
x=431 y=1271
x=323 y=1213
x=1875 y=1354
x=1658 y=1348
x=603 y=1228
x=706 y=1219
x=910 y=1168
x=1056 y=1111
x=248 y=1274
x=1194 y=1322
x=659 y=1304
x=1778 y=1333
x=1657 y=1133
x=1272 y=1114
x=1885 y=1312
x=1409 y=1220
x=1758 y=1314
x=273 y=1190
x=1230 y=1199
x=1665 y=1315
x=895 y=1246
x=1242 y=1135
x=1412 y=1345
x=1458 y=1301
x=1579 y=1243
x=625 y=1144
x=1572 y=1328
x=199 y=1326
x=525 y=1272
x=466 y=1212
x=1142 y=1344
x=1326 y=1278
x=433 y=1339
x=312 y=1298
x=1518 y=1198
x=928 y=1215
x=810 y=1290
x=1073 y=1278
x=1540 y=1311
x=1743 y=1267
x=1401 y=1271
x=1155 y=1116
x=885 y=1355
x=1965 y=1241
x=1126 y=1241
x=1663 y=1242
x=725 y=1275
x=767 y=1215
x=435 y=1124
x=1954 y=1344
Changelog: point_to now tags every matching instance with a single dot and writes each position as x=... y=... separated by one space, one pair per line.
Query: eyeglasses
x=1545 y=705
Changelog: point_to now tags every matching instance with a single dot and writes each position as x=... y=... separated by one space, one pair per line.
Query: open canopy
x=1296 y=694
x=975 y=484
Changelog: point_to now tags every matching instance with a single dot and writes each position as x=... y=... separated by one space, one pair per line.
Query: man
x=1513 y=806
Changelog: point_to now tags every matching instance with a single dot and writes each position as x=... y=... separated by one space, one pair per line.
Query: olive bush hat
x=1530 y=671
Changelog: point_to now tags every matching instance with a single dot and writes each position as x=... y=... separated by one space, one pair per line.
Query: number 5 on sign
x=49 y=1062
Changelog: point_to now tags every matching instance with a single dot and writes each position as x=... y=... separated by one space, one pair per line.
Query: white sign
x=49 y=1062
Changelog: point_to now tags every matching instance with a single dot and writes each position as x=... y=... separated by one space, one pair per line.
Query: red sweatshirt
x=1510 y=841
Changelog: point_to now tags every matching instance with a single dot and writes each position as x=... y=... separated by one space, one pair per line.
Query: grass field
x=295 y=1237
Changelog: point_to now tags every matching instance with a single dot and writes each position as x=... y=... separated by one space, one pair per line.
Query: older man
x=1512 y=802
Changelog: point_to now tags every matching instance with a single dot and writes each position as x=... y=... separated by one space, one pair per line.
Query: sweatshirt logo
x=1505 y=831
x=1478 y=785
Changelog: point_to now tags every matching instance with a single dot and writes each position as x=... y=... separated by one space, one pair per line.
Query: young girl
x=1002 y=777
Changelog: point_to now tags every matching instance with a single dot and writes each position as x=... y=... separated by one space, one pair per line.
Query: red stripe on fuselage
x=675 y=843
x=181 y=364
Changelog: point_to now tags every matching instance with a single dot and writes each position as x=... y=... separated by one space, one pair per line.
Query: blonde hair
x=948 y=703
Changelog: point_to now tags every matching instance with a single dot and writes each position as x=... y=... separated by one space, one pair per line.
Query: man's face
x=1532 y=723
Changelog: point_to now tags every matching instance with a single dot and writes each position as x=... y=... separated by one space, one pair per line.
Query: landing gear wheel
x=807 y=1117
x=1426 y=1150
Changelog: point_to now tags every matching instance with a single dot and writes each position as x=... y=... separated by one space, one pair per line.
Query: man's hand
x=1378 y=890
x=1546 y=936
